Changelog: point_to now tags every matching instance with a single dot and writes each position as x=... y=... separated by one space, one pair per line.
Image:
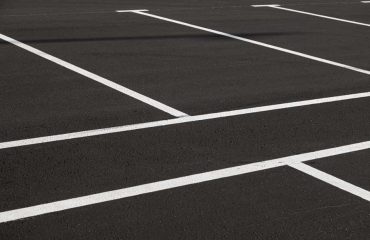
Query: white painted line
x=276 y=6
x=365 y=1
x=133 y=191
x=139 y=10
x=266 y=5
x=188 y=119
x=96 y=78
x=174 y=183
x=367 y=72
x=336 y=182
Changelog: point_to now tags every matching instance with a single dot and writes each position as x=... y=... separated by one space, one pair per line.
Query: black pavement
x=195 y=72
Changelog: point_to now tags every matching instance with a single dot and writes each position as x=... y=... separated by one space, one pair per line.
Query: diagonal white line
x=96 y=78
x=162 y=123
x=174 y=183
x=276 y=6
x=318 y=59
x=138 y=10
x=334 y=181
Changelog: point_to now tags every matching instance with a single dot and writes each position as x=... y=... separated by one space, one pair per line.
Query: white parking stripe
x=276 y=6
x=96 y=78
x=318 y=59
x=176 y=182
x=162 y=123
x=140 y=10
x=334 y=181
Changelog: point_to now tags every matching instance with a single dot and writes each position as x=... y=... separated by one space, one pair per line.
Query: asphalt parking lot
x=184 y=119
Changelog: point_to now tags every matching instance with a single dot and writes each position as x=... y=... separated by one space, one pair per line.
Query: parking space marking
x=365 y=1
x=62 y=205
x=96 y=78
x=318 y=59
x=334 y=181
x=296 y=161
x=277 y=6
x=140 y=10
x=188 y=119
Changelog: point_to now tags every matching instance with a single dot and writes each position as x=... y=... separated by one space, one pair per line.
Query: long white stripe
x=365 y=1
x=139 y=10
x=276 y=6
x=196 y=118
x=96 y=78
x=334 y=181
x=337 y=64
x=174 y=183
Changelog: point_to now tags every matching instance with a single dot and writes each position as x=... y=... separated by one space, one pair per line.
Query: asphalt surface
x=195 y=72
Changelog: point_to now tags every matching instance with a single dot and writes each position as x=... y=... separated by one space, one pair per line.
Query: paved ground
x=193 y=120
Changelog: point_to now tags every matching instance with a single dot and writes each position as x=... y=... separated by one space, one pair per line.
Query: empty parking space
x=40 y=98
x=184 y=120
x=337 y=41
x=57 y=171
x=279 y=203
x=354 y=11
x=190 y=70
x=353 y=168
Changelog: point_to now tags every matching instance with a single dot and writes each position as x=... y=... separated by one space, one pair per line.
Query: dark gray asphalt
x=275 y=204
x=195 y=72
x=353 y=168
x=190 y=70
x=90 y=165
x=40 y=98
